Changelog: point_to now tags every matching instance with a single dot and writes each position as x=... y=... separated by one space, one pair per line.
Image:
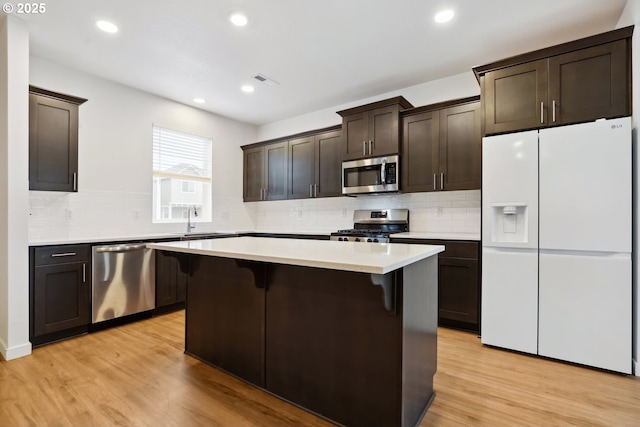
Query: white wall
x=454 y=87
x=14 y=152
x=451 y=211
x=114 y=177
x=631 y=16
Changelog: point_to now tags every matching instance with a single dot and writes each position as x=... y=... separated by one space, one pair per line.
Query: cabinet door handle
x=84 y=273
x=75 y=181
x=315 y=190
x=553 y=111
x=542 y=112
x=310 y=190
x=364 y=148
x=63 y=254
x=370 y=147
x=434 y=181
x=442 y=181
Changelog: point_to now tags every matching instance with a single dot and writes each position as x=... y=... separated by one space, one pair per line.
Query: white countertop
x=410 y=235
x=376 y=258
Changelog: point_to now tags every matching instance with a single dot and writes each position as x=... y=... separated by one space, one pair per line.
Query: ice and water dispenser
x=509 y=222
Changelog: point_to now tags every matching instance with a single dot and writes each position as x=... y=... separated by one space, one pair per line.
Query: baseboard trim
x=14 y=352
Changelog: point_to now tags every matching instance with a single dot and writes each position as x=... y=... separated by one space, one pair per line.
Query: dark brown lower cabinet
x=458 y=297
x=171 y=283
x=458 y=282
x=60 y=292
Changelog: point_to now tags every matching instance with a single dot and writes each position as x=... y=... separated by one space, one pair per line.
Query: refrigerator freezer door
x=585 y=309
x=510 y=190
x=510 y=299
x=585 y=187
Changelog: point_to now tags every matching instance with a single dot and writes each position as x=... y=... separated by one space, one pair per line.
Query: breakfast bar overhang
x=347 y=331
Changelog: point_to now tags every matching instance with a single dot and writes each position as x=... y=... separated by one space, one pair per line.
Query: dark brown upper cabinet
x=441 y=147
x=53 y=140
x=265 y=172
x=575 y=82
x=300 y=166
x=372 y=129
x=314 y=165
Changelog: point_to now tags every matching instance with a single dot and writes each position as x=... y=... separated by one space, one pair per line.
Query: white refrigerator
x=556 y=243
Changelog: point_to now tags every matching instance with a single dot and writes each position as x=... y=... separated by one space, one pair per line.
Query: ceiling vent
x=266 y=80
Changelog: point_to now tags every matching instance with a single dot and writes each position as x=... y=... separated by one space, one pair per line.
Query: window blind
x=180 y=155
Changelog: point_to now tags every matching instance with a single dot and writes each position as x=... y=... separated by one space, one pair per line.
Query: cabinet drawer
x=460 y=249
x=452 y=248
x=61 y=254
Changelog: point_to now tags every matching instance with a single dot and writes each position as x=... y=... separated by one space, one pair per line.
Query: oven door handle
x=383 y=172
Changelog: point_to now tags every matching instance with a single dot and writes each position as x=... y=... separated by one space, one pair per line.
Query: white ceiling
x=322 y=52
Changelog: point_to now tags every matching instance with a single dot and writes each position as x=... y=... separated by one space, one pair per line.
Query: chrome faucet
x=195 y=213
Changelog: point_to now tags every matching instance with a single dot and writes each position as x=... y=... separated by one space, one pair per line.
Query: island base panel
x=225 y=315
x=356 y=348
x=332 y=347
x=420 y=338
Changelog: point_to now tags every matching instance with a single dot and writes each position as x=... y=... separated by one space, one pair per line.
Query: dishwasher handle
x=121 y=248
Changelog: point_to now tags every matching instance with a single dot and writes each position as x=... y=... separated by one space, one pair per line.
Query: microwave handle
x=383 y=172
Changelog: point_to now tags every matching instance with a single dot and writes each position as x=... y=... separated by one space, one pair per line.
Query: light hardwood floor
x=138 y=375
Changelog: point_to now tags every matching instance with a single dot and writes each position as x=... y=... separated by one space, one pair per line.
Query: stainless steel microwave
x=373 y=175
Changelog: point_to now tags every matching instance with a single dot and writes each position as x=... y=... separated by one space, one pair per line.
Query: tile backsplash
x=450 y=211
x=106 y=214
x=55 y=216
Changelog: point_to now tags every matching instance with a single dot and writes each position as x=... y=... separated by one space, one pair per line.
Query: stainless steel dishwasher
x=123 y=281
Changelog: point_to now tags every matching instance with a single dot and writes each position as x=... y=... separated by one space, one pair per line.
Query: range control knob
x=376 y=241
x=357 y=239
x=369 y=240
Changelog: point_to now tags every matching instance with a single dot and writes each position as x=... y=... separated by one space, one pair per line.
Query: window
x=181 y=176
x=188 y=187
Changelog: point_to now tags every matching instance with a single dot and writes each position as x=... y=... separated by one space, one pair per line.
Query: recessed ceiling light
x=199 y=100
x=238 y=19
x=443 y=16
x=247 y=88
x=107 y=26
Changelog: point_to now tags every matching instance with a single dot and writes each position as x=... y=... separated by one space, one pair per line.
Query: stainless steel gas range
x=374 y=226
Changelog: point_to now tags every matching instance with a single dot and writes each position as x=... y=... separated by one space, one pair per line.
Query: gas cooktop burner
x=374 y=226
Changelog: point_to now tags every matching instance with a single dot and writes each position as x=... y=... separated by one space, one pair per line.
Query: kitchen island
x=345 y=330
